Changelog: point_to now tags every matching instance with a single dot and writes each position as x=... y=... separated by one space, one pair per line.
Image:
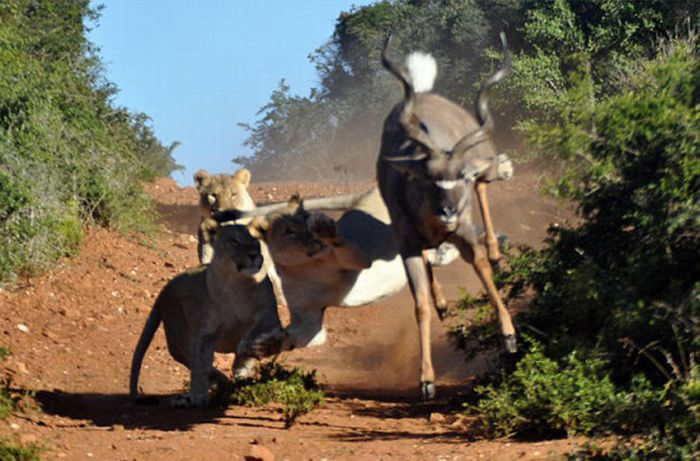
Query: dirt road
x=72 y=331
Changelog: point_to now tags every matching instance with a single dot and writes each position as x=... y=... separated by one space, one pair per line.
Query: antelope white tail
x=422 y=70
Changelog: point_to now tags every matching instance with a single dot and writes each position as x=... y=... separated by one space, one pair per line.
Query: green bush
x=627 y=278
x=11 y=451
x=297 y=391
x=623 y=285
x=5 y=352
x=67 y=156
x=474 y=329
x=577 y=396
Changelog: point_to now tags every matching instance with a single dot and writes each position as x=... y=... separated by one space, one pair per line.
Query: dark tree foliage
x=550 y=38
x=339 y=124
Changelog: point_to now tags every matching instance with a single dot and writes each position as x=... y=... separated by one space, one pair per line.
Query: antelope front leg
x=436 y=290
x=420 y=288
x=474 y=255
x=491 y=240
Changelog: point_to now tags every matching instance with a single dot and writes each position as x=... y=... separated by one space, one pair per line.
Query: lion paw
x=189 y=401
x=270 y=343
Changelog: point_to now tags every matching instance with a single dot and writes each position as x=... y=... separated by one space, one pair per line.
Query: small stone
x=118 y=428
x=259 y=453
x=437 y=418
x=22 y=367
x=61 y=455
x=50 y=335
x=14 y=426
x=22 y=327
x=191 y=238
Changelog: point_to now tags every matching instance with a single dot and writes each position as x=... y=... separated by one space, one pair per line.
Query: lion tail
x=149 y=330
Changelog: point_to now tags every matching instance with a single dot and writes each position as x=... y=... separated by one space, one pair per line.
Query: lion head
x=222 y=191
x=293 y=235
x=234 y=244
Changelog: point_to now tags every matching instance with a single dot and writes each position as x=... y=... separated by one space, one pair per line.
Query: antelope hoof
x=441 y=311
x=510 y=343
x=428 y=390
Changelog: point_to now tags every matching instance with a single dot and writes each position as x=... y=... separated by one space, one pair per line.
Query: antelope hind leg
x=474 y=255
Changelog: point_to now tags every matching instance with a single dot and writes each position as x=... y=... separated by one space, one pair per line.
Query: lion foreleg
x=201 y=359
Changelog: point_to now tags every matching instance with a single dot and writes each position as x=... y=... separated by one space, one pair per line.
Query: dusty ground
x=72 y=331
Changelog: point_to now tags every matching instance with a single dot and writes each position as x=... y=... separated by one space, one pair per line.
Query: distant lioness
x=218 y=192
x=218 y=307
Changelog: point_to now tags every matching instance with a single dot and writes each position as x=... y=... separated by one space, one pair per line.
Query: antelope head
x=445 y=175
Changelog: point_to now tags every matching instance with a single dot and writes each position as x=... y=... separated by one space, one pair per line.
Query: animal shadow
x=111 y=409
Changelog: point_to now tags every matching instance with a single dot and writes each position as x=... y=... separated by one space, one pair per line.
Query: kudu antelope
x=433 y=154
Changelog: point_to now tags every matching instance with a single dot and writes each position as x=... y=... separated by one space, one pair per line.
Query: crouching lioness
x=220 y=307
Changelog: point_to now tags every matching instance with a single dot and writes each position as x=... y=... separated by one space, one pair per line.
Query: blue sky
x=198 y=67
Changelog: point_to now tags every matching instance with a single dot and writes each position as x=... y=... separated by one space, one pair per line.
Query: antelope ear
x=200 y=177
x=259 y=227
x=243 y=175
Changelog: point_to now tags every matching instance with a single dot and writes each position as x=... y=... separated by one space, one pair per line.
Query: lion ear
x=296 y=202
x=200 y=178
x=259 y=227
x=243 y=176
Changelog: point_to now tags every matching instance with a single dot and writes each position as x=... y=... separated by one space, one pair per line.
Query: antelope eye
x=289 y=231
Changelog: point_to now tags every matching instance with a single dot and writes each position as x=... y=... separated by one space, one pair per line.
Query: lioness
x=322 y=263
x=225 y=192
x=218 y=307
x=218 y=192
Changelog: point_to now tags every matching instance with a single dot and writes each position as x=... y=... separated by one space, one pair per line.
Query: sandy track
x=84 y=318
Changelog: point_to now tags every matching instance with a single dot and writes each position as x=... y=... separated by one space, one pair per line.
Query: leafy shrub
x=5 y=352
x=576 y=396
x=11 y=451
x=67 y=156
x=626 y=275
x=297 y=391
x=474 y=329
x=7 y=403
x=622 y=285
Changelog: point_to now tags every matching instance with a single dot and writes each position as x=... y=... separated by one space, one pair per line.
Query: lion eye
x=289 y=231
